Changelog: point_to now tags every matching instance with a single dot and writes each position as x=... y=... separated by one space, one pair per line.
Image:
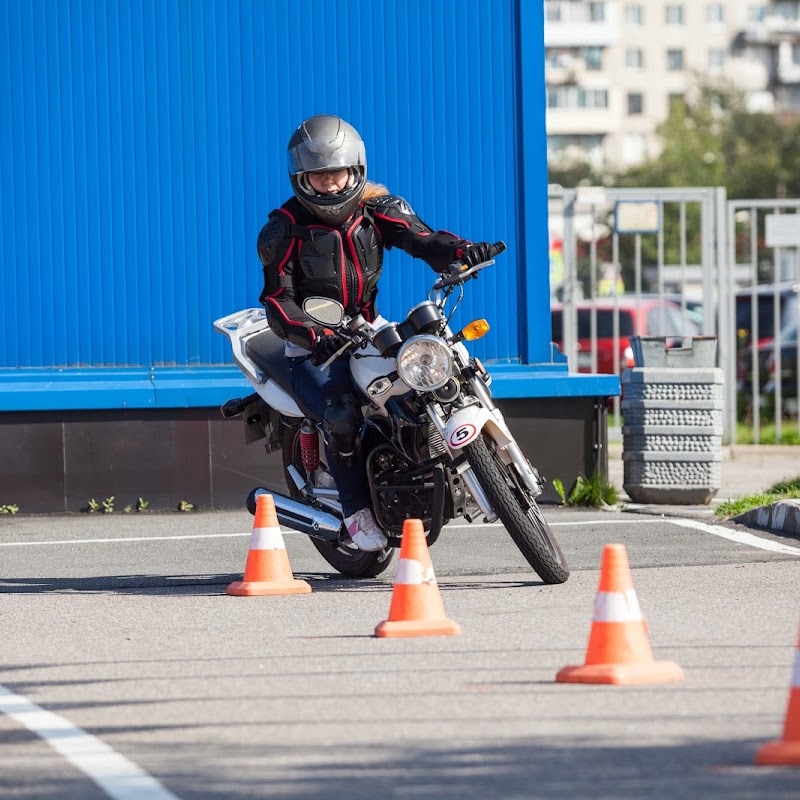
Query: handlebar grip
x=498 y=248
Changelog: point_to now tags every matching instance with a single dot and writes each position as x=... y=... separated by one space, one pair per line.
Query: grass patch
x=783 y=490
x=593 y=492
x=767 y=433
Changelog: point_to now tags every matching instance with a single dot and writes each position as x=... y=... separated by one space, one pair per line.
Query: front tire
x=346 y=559
x=517 y=511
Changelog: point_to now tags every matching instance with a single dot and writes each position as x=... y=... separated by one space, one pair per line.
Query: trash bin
x=672 y=403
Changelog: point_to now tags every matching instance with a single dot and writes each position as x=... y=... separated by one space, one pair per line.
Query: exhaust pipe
x=299 y=516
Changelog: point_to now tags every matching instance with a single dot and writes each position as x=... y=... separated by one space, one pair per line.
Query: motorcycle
x=435 y=445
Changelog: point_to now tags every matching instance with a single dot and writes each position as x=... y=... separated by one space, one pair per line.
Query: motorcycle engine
x=402 y=489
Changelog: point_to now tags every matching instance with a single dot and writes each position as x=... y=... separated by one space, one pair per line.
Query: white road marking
x=740 y=537
x=452 y=526
x=118 y=777
x=610 y=522
x=136 y=539
x=284 y=531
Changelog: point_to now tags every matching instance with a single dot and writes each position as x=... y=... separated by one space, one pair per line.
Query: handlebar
x=458 y=273
x=346 y=346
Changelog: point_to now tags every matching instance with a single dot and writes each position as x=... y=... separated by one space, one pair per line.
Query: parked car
x=650 y=317
x=788 y=294
x=767 y=367
x=694 y=308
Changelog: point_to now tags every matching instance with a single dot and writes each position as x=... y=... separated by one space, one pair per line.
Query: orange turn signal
x=475 y=330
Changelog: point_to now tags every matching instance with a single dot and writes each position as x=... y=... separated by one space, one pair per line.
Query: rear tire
x=527 y=526
x=346 y=559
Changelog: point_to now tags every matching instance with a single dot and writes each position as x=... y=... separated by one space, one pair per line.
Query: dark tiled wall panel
x=57 y=461
x=32 y=461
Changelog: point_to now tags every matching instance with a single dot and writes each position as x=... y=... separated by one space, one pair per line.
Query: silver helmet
x=325 y=143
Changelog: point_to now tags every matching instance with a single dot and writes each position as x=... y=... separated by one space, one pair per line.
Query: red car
x=651 y=317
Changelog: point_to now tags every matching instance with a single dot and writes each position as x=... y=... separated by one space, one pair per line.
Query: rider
x=328 y=240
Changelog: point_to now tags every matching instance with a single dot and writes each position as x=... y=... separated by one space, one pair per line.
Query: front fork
x=505 y=441
x=463 y=468
x=529 y=476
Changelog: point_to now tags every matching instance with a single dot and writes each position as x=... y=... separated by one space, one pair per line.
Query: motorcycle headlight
x=425 y=363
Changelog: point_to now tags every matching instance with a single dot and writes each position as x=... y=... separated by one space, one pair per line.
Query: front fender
x=467 y=423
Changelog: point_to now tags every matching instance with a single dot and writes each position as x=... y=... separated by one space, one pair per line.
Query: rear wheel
x=517 y=511
x=347 y=559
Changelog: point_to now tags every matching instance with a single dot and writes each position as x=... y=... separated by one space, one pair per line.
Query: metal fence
x=677 y=263
x=764 y=258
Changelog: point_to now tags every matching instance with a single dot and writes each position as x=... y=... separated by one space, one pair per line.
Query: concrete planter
x=672 y=427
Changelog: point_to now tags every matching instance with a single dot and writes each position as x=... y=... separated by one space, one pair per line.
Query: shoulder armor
x=391 y=204
x=273 y=231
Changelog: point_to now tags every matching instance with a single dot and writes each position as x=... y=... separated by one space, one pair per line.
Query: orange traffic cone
x=787 y=750
x=267 y=570
x=416 y=608
x=618 y=650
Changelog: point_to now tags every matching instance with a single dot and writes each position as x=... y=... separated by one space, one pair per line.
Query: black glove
x=325 y=345
x=475 y=253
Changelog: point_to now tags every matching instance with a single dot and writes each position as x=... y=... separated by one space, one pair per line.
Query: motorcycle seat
x=267 y=351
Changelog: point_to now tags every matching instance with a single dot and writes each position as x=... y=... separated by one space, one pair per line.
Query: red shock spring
x=309 y=448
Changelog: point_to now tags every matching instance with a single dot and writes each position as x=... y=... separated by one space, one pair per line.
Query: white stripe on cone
x=411 y=573
x=617 y=607
x=267 y=539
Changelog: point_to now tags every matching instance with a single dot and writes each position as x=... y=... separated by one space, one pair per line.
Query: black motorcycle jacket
x=303 y=258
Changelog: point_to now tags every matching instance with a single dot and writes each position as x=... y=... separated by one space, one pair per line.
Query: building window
x=715 y=13
x=634 y=14
x=552 y=11
x=634 y=58
x=789 y=98
x=788 y=11
x=597 y=11
x=593 y=57
x=635 y=103
x=716 y=57
x=576 y=97
x=674 y=14
x=575 y=146
x=559 y=57
x=756 y=13
x=674 y=60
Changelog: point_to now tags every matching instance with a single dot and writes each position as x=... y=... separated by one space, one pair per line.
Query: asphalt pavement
x=124 y=663
x=128 y=672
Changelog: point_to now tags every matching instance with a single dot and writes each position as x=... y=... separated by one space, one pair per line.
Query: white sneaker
x=325 y=480
x=364 y=531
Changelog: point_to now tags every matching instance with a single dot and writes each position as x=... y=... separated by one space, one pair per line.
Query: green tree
x=713 y=140
x=574 y=173
x=708 y=139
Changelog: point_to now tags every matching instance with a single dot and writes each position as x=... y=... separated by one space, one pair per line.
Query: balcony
x=788 y=66
x=567 y=121
x=774 y=28
x=579 y=24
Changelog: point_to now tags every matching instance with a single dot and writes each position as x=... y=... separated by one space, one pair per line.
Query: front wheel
x=347 y=559
x=517 y=511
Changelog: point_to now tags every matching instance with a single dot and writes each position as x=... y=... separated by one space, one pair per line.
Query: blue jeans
x=316 y=390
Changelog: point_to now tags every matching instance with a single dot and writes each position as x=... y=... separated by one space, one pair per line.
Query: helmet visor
x=326 y=155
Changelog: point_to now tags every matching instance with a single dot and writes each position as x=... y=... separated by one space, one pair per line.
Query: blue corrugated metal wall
x=143 y=146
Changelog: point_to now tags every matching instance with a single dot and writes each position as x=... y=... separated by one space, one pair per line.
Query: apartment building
x=613 y=67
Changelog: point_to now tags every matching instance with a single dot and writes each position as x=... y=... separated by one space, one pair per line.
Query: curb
x=780 y=517
x=693 y=511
